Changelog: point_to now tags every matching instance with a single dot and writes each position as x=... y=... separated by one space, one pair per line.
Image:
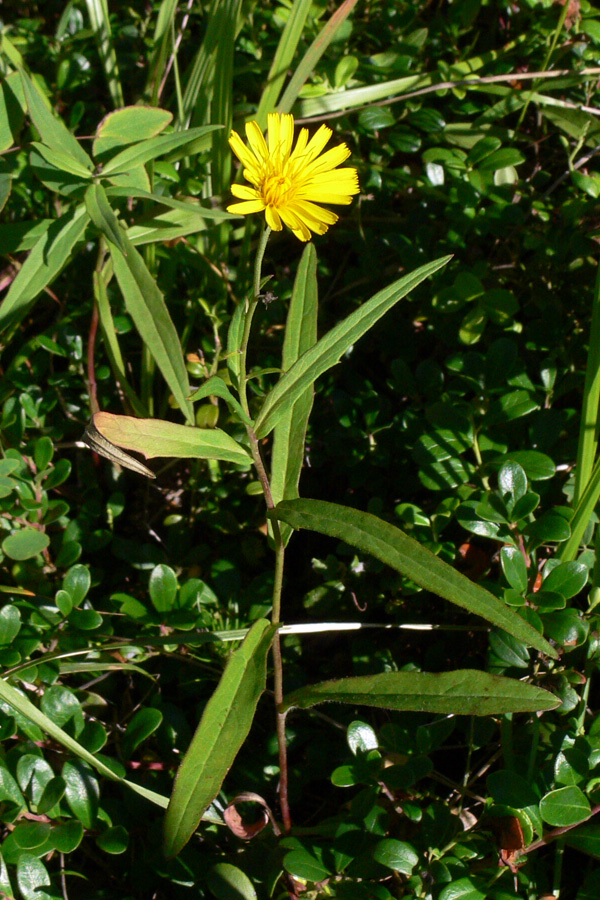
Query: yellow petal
x=244 y=155
x=286 y=136
x=273 y=132
x=298 y=223
x=244 y=192
x=310 y=212
x=327 y=161
x=247 y=207
x=273 y=219
x=318 y=142
x=257 y=141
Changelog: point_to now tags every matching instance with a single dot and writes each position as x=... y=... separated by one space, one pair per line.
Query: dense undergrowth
x=456 y=418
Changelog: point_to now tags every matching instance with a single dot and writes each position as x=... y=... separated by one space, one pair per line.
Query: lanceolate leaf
x=53 y=131
x=43 y=264
x=153 y=437
x=329 y=350
x=99 y=444
x=290 y=431
x=147 y=308
x=403 y=553
x=157 y=146
x=223 y=729
x=463 y=692
x=103 y=216
x=216 y=387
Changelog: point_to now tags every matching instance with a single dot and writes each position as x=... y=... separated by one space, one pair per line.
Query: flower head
x=288 y=183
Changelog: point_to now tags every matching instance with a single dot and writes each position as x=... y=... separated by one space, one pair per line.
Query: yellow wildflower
x=288 y=183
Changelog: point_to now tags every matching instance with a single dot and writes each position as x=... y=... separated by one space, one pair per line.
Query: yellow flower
x=287 y=184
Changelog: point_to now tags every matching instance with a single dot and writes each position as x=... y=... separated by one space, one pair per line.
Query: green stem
x=252 y=303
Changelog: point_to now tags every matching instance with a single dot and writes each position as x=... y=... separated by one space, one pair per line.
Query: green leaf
x=163 y=588
x=43 y=264
x=567 y=579
x=103 y=216
x=10 y=624
x=81 y=792
x=62 y=161
x=463 y=692
x=157 y=146
x=113 y=840
x=25 y=544
x=216 y=387
x=227 y=882
x=462 y=889
x=53 y=131
x=330 y=349
x=514 y=568
x=302 y=864
x=129 y=125
x=586 y=839
x=390 y=545
x=290 y=432
x=396 y=855
x=223 y=728
x=146 y=305
x=32 y=878
x=538 y=466
x=154 y=437
x=234 y=341
x=566 y=806
x=77 y=583
x=143 y=723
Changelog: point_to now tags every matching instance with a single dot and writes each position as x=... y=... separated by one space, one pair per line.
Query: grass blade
x=24 y=706
x=100 y=22
x=314 y=54
x=288 y=44
x=390 y=545
x=329 y=350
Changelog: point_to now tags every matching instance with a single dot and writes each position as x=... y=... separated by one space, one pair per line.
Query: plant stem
x=252 y=303
x=279 y=547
